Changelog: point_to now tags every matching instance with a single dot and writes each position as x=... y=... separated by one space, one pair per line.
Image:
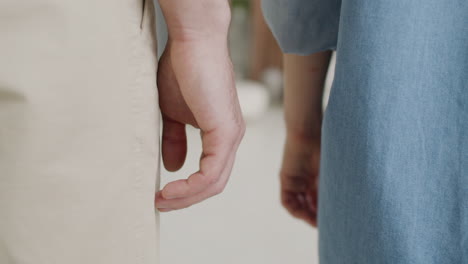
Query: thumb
x=174 y=144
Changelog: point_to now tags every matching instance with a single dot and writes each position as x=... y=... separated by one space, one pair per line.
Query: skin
x=196 y=87
x=304 y=85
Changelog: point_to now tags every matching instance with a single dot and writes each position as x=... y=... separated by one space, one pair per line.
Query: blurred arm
x=304 y=84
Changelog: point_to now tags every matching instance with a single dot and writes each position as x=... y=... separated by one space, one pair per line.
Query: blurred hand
x=299 y=177
x=196 y=87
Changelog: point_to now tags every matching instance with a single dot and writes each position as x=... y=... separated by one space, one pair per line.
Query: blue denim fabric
x=394 y=167
x=303 y=26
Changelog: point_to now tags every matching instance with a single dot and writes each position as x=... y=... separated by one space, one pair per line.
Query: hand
x=196 y=87
x=299 y=177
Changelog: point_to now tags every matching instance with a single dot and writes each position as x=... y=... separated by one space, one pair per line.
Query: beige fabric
x=79 y=144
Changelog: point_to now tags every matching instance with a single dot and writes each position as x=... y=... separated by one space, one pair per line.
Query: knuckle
x=238 y=128
x=218 y=189
x=241 y=127
x=210 y=179
x=242 y=131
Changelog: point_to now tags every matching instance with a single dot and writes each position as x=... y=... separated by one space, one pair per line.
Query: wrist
x=303 y=136
x=304 y=131
x=188 y=22
x=200 y=50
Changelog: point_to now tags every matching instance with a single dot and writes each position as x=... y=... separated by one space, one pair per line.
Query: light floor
x=246 y=224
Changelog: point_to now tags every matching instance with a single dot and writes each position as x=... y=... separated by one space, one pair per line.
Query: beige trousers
x=79 y=125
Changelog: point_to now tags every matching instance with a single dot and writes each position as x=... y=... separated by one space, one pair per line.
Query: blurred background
x=246 y=223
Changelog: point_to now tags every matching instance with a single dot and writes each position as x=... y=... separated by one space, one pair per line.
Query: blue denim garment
x=394 y=167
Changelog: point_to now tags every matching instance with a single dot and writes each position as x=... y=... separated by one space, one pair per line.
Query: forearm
x=304 y=85
x=201 y=20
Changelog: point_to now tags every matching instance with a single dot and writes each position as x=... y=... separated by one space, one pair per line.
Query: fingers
x=166 y=205
x=299 y=179
x=174 y=144
x=216 y=154
x=301 y=205
x=300 y=194
x=295 y=183
x=198 y=181
x=219 y=148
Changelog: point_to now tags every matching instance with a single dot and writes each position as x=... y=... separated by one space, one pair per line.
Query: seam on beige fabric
x=143 y=10
x=135 y=108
